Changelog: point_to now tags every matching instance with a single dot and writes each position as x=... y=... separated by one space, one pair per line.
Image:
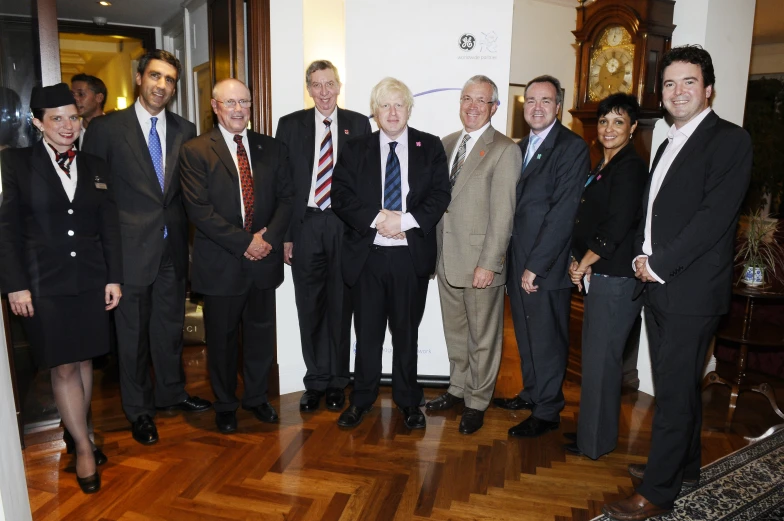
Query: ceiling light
x=105 y=3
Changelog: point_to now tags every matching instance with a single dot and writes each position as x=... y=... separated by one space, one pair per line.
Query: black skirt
x=66 y=329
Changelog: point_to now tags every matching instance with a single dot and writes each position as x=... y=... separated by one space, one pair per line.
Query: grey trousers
x=609 y=316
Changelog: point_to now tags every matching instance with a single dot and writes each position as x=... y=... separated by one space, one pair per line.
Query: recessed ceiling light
x=105 y=3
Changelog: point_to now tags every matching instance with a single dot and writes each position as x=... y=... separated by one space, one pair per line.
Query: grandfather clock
x=620 y=46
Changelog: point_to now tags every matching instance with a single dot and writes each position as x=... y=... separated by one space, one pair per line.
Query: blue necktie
x=529 y=154
x=156 y=153
x=393 y=198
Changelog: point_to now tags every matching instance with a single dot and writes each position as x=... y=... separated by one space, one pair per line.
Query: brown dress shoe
x=637 y=470
x=633 y=508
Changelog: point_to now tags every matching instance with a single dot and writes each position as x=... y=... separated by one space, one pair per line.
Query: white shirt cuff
x=407 y=222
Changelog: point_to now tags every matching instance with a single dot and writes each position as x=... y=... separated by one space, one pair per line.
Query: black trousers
x=323 y=301
x=149 y=329
x=388 y=291
x=678 y=345
x=255 y=312
x=541 y=324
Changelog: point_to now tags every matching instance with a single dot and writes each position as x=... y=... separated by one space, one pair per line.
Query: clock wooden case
x=620 y=45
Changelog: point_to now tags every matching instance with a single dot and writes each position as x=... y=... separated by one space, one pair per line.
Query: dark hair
x=38 y=113
x=691 y=54
x=547 y=79
x=616 y=103
x=94 y=83
x=159 y=54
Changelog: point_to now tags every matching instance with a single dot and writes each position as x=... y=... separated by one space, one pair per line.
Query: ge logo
x=467 y=42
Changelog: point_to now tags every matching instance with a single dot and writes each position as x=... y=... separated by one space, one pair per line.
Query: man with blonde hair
x=389 y=250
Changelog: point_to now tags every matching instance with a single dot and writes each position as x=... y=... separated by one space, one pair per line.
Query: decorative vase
x=754 y=276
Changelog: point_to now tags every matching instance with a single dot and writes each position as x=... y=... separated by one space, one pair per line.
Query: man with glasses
x=314 y=239
x=473 y=236
x=238 y=194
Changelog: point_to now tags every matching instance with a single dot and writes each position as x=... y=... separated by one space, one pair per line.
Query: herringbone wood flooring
x=307 y=468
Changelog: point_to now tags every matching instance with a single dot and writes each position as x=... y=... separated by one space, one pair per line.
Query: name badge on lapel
x=99 y=184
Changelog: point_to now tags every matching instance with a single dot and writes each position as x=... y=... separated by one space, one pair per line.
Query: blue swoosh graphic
x=431 y=91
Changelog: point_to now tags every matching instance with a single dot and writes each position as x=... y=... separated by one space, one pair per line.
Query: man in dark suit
x=685 y=248
x=391 y=189
x=238 y=194
x=315 y=137
x=555 y=167
x=141 y=145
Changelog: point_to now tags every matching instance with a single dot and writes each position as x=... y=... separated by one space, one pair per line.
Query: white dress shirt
x=407 y=220
x=229 y=138
x=677 y=137
x=69 y=184
x=469 y=144
x=321 y=130
x=160 y=126
x=542 y=136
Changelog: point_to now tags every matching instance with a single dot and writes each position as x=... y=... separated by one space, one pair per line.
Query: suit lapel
x=42 y=166
x=257 y=158
x=309 y=133
x=173 y=143
x=694 y=141
x=474 y=159
x=374 y=164
x=138 y=143
x=415 y=159
x=542 y=153
x=84 y=178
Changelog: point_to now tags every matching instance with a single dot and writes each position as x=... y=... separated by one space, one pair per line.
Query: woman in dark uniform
x=602 y=244
x=60 y=260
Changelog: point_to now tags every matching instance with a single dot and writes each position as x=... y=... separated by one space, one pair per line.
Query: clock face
x=611 y=66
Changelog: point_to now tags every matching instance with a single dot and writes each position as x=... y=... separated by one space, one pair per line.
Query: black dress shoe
x=189 y=404
x=226 y=421
x=472 y=420
x=637 y=470
x=573 y=448
x=264 y=413
x=443 y=402
x=571 y=436
x=413 y=417
x=352 y=416
x=336 y=398
x=90 y=484
x=310 y=400
x=513 y=404
x=144 y=430
x=70 y=447
x=532 y=427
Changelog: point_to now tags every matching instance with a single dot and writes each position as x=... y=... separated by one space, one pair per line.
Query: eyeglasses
x=230 y=103
x=467 y=100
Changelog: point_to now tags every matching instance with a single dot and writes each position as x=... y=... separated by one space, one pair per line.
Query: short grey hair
x=481 y=78
x=321 y=65
x=389 y=86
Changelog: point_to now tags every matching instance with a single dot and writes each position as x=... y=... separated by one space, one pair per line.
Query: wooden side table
x=745 y=332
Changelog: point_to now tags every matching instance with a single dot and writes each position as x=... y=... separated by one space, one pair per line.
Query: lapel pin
x=419 y=143
x=258 y=147
x=538 y=156
x=481 y=153
x=345 y=132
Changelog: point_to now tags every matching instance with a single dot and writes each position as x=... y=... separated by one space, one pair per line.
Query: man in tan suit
x=473 y=236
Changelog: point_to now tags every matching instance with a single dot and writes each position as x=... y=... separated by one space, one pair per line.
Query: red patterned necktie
x=246 y=181
x=64 y=159
x=324 y=176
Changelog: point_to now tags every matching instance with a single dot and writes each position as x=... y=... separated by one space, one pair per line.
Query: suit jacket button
x=70 y=233
x=576 y=221
x=70 y=211
x=73 y=254
x=582 y=200
x=447 y=211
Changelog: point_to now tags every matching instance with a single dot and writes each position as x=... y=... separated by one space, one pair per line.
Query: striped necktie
x=393 y=195
x=325 y=166
x=457 y=164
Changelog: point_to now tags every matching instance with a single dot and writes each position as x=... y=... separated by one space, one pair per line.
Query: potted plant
x=759 y=251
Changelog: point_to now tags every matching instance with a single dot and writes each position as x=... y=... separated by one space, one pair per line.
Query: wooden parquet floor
x=307 y=468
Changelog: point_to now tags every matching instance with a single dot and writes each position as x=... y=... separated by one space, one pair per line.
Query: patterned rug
x=743 y=486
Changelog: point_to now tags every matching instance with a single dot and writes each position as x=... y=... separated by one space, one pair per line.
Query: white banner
x=433 y=46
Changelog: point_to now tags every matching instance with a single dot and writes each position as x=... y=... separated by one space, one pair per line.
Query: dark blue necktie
x=156 y=153
x=393 y=197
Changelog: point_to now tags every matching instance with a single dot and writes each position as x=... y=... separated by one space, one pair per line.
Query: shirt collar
x=689 y=128
x=476 y=133
x=543 y=134
x=228 y=136
x=320 y=117
x=402 y=139
x=143 y=115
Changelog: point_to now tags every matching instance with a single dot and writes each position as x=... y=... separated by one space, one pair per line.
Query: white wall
x=767 y=59
x=200 y=35
x=324 y=38
x=723 y=28
x=536 y=22
x=14 y=503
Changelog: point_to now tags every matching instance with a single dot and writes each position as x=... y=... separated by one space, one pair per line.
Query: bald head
x=228 y=98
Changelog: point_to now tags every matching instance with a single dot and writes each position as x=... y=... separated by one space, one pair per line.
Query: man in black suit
x=238 y=194
x=141 y=144
x=391 y=189
x=685 y=248
x=555 y=167
x=315 y=137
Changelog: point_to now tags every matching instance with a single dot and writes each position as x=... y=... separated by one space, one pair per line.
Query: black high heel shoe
x=70 y=447
x=90 y=484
